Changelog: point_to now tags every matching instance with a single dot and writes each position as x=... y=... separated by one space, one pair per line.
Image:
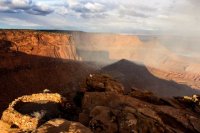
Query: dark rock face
x=102 y=83
x=111 y=112
x=148 y=96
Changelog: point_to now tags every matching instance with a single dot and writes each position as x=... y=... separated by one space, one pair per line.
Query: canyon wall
x=48 y=44
x=160 y=61
x=118 y=46
x=151 y=52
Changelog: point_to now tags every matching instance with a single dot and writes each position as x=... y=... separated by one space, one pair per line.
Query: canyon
x=143 y=50
x=90 y=69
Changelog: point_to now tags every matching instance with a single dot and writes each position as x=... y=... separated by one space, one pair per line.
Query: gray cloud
x=27 y=6
x=93 y=15
x=40 y=10
x=19 y=4
x=195 y=2
x=136 y=11
x=89 y=9
x=15 y=5
x=101 y=15
x=133 y=13
x=146 y=8
x=95 y=9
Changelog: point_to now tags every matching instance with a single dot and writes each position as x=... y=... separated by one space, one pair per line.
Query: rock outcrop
x=64 y=126
x=111 y=112
x=104 y=111
x=29 y=112
x=27 y=119
x=102 y=83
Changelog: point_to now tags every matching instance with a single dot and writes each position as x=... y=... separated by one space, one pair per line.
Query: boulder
x=61 y=125
x=103 y=120
x=102 y=83
x=27 y=112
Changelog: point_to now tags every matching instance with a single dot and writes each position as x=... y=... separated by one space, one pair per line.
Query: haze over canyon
x=72 y=74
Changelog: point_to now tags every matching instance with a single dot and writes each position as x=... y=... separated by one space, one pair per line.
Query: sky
x=121 y=16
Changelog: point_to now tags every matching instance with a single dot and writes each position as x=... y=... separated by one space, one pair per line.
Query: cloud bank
x=127 y=16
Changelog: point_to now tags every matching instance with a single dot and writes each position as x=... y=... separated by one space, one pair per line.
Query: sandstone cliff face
x=118 y=46
x=46 y=44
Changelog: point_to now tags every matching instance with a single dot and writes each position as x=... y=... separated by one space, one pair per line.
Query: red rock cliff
x=46 y=44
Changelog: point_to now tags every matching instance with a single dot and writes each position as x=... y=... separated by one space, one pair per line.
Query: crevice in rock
x=172 y=122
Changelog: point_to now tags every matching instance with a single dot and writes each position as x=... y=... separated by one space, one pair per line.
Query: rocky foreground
x=100 y=106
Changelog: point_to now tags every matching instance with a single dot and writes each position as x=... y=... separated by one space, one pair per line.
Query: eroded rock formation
x=25 y=121
x=110 y=111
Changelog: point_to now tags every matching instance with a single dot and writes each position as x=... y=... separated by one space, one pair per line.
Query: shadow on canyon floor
x=137 y=76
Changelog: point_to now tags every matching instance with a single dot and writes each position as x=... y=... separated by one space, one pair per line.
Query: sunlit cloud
x=125 y=16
